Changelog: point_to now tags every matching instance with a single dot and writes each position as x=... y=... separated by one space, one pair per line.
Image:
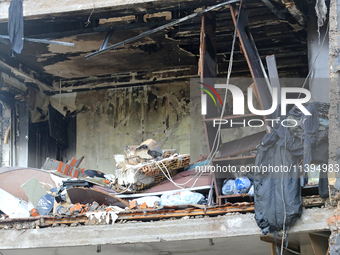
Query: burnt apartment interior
x=171 y=55
x=83 y=75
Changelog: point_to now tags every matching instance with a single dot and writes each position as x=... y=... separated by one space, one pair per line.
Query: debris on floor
x=143 y=166
x=64 y=189
x=143 y=188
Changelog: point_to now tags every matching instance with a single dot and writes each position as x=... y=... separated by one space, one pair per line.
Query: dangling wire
x=283 y=198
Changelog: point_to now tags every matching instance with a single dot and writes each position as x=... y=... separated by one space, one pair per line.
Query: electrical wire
x=283 y=198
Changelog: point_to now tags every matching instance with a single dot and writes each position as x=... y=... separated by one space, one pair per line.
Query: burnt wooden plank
x=244 y=160
x=242 y=145
x=162 y=214
x=240 y=20
x=208 y=69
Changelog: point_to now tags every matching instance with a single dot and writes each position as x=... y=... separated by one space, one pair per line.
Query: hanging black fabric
x=277 y=194
x=16 y=25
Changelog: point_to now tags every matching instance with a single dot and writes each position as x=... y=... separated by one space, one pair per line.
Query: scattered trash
x=251 y=191
x=45 y=204
x=84 y=196
x=229 y=187
x=313 y=174
x=12 y=206
x=146 y=165
x=182 y=198
x=242 y=185
x=152 y=148
x=150 y=201
x=34 y=191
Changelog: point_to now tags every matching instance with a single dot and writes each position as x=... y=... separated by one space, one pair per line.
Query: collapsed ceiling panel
x=171 y=53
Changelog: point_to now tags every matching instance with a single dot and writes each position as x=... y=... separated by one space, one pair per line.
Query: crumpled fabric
x=16 y=25
x=279 y=192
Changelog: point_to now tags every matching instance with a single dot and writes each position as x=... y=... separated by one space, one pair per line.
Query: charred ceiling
x=276 y=25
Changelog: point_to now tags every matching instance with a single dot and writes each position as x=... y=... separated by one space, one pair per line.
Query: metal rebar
x=41 y=41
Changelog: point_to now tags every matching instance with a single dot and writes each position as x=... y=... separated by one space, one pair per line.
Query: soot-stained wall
x=109 y=120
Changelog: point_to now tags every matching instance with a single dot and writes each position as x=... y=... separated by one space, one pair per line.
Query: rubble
x=93 y=197
x=143 y=166
x=78 y=191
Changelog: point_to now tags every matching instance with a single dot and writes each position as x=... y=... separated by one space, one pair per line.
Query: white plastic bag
x=229 y=187
x=251 y=191
x=181 y=198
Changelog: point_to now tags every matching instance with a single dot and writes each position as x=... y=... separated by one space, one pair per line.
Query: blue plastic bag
x=45 y=204
x=242 y=185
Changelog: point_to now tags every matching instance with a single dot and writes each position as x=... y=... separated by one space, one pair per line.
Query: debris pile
x=143 y=166
x=64 y=189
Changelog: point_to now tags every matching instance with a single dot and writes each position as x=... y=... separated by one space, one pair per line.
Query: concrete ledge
x=37 y=9
x=230 y=225
x=43 y=7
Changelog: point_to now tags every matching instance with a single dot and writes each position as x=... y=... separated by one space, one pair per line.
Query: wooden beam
x=22 y=76
x=291 y=247
x=274 y=81
x=208 y=70
x=163 y=214
x=127 y=79
x=273 y=74
x=240 y=20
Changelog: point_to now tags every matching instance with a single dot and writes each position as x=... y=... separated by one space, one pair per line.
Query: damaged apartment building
x=114 y=120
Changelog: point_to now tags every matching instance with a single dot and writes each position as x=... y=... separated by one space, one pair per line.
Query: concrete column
x=318 y=81
x=334 y=133
x=334 y=71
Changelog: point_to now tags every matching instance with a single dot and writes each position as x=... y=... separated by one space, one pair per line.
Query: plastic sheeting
x=278 y=199
x=229 y=187
x=182 y=198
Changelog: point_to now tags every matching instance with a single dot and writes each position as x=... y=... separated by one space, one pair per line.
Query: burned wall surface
x=109 y=120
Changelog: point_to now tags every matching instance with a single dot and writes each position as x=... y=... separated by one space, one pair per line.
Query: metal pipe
x=152 y=31
x=41 y=41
